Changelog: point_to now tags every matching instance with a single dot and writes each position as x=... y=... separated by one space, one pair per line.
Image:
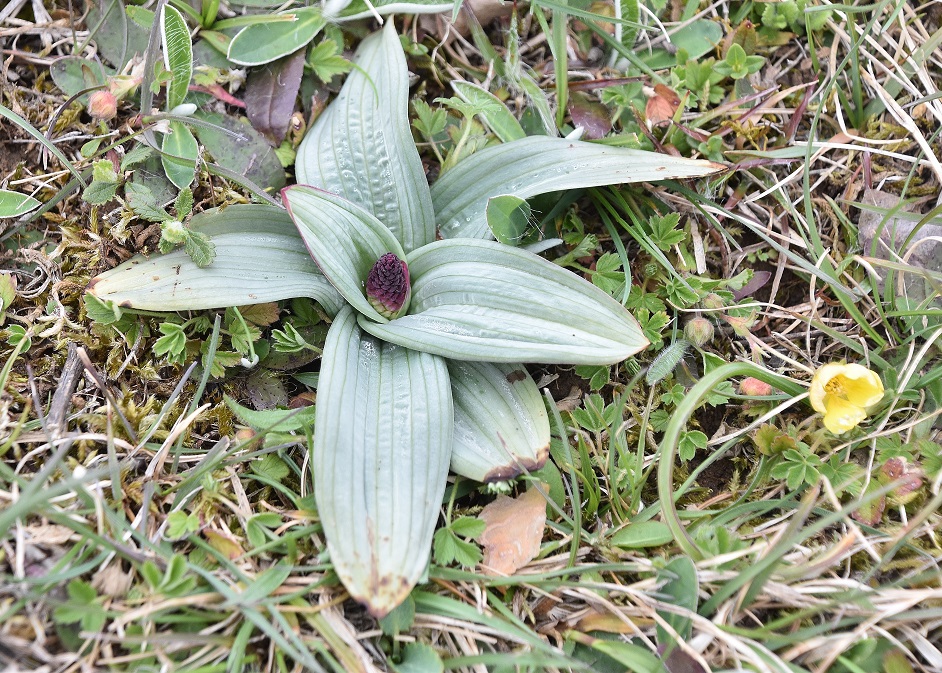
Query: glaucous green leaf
x=382 y=443
x=501 y=426
x=180 y=152
x=14 y=204
x=259 y=258
x=266 y=42
x=347 y=10
x=361 y=146
x=345 y=240
x=178 y=54
x=483 y=301
x=540 y=164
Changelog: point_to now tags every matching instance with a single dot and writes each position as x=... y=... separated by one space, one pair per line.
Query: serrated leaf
x=343 y=238
x=200 y=248
x=271 y=93
x=141 y=200
x=496 y=115
x=259 y=258
x=468 y=526
x=382 y=443
x=180 y=152
x=501 y=426
x=263 y=43
x=540 y=164
x=326 y=62
x=178 y=55
x=361 y=146
x=14 y=204
x=484 y=301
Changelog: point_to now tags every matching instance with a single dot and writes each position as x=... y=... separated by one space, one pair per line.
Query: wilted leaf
x=270 y=95
x=225 y=544
x=662 y=105
x=514 y=532
x=590 y=115
x=240 y=148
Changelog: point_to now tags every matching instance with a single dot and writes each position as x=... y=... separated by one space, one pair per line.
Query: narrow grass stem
x=671 y=440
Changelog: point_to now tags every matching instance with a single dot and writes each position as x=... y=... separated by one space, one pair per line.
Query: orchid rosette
x=421 y=368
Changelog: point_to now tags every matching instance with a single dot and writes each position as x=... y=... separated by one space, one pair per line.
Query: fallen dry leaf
x=513 y=533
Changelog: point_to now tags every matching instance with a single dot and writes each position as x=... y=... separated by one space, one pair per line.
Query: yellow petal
x=864 y=390
x=841 y=415
x=820 y=379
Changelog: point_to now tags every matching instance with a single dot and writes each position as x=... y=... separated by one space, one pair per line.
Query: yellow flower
x=843 y=392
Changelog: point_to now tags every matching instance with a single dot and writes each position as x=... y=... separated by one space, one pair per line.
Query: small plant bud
x=753 y=387
x=102 y=105
x=387 y=286
x=712 y=301
x=173 y=231
x=699 y=331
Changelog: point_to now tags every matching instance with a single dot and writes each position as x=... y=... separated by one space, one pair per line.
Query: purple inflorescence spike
x=387 y=286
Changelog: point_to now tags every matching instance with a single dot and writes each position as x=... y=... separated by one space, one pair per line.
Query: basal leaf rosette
x=472 y=300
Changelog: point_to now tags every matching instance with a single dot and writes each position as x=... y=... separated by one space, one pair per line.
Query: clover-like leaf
x=382 y=443
x=484 y=301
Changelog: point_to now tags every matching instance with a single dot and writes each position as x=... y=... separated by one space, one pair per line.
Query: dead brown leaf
x=513 y=533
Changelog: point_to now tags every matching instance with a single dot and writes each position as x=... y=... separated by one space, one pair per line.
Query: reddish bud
x=387 y=286
x=753 y=387
x=699 y=331
x=102 y=105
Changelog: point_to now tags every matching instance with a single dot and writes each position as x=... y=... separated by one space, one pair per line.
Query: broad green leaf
x=273 y=420
x=382 y=443
x=419 y=658
x=678 y=585
x=362 y=148
x=497 y=117
x=540 y=164
x=501 y=426
x=642 y=534
x=178 y=55
x=180 y=152
x=266 y=42
x=14 y=204
x=237 y=146
x=344 y=239
x=345 y=10
x=508 y=218
x=74 y=73
x=484 y=301
x=259 y=258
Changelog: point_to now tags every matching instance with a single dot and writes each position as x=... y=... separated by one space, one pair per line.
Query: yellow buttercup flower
x=843 y=392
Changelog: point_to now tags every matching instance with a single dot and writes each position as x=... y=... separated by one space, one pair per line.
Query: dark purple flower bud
x=387 y=286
